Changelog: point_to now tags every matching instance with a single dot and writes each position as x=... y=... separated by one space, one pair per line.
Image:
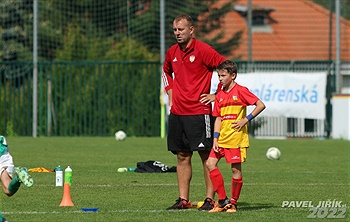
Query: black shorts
x=190 y=133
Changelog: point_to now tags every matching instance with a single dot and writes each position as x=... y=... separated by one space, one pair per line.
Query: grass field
x=309 y=170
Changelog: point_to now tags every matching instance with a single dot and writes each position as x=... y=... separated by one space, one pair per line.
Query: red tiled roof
x=300 y=32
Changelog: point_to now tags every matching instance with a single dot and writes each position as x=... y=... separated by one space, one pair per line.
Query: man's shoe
x=180 y=204
x=232 y=209
x=207 y=205
x=24 y=177
x=222 y=205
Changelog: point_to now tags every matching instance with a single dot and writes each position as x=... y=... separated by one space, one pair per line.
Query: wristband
x=250 y=117
x=216 y=135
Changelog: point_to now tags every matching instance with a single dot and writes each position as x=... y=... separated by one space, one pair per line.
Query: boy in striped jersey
x=230 y=134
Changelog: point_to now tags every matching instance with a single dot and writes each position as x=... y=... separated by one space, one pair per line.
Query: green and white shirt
x=3 y=145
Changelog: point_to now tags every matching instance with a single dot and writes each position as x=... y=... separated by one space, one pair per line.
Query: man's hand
x=207 y=98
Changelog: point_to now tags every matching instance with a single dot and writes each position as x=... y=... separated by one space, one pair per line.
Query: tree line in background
x=109 y=29
x=102 y=30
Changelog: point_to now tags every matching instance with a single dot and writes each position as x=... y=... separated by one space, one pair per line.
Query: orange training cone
x=66 y=201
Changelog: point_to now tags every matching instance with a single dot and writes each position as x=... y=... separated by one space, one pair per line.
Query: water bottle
x=59 y=176
x=131 y=169
x=125 y=169
x=68 y=176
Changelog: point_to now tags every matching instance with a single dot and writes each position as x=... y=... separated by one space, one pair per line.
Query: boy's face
x=225 y=77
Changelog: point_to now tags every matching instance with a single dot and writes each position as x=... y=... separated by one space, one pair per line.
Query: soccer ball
x=120 y=135
x=273 y=153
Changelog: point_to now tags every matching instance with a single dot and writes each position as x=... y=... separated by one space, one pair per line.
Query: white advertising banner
x=296 y=95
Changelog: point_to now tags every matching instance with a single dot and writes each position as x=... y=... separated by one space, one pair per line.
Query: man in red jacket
x=187 y=73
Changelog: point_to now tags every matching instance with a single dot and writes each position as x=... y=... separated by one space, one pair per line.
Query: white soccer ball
x=120 y=135
x=273 y=153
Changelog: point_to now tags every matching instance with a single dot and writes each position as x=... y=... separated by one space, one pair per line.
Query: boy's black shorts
x=190 y=133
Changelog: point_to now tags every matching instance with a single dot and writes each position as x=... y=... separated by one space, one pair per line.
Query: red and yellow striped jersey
x=230 y=107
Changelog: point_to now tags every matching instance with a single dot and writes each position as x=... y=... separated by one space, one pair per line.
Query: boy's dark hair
x=228 y=65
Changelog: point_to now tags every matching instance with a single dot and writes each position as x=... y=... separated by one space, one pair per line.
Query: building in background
x=287 y=31
x=293 y=30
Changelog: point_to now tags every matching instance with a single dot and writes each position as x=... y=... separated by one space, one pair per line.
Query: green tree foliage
x=15 y=31
x=109 y=22
x=139 y=22
x=15 y=100
x=330 y=5
x=78 y=46
x=207 y=19
x=128 y=49
x=101 y=24
x=93 y=30
x=75 y=46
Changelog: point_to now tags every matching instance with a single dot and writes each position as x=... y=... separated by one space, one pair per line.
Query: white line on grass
x=42 y=212
x=109 y=211
x=143 y=211
x=197 y=184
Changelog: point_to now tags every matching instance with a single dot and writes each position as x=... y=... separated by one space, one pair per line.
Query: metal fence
x=82 y=98
x=99 y=98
